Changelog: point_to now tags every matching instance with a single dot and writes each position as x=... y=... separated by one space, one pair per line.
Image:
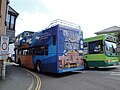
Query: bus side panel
x=27 y=61
x=110 y=61
x=119 y=57
x=94 y=60
x=51 y=65
x=49 y=62
x=99 y=60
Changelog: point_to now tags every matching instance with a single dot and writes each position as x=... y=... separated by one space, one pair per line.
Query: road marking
x=31 y=85
x=38 y=86
x=38 y=83
x=80 y=71
x=115 y=73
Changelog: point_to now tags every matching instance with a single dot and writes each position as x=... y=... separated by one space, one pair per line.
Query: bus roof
x=98 y=37
x=101 y=37
x=22 y=34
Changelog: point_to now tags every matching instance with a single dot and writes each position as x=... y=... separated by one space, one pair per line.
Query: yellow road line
x=38 y=80
x=38 y=83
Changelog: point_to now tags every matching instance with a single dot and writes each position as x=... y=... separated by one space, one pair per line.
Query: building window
x=10 y=22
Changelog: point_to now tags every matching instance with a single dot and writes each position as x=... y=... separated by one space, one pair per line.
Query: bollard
x=3 y=69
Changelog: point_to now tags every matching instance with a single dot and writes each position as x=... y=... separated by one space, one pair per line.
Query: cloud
x=32 y=22
x=36 y=19
x=91 y=15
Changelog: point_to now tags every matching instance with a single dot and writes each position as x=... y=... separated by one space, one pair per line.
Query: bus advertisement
x=56 y=49
x=100 y=51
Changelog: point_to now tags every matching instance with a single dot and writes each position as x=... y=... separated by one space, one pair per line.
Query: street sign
x=4 y=46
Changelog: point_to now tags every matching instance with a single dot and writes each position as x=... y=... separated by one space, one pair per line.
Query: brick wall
x=2 y=24
x=3 y=16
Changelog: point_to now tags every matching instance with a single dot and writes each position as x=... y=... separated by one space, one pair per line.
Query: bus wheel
x=38 y=66
x=85 y=65
x=96 y=67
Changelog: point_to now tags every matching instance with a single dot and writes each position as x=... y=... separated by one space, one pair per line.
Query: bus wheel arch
x=85 y=64
x=38 y=66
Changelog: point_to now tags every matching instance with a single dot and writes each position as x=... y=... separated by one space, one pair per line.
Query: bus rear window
x=54 y=39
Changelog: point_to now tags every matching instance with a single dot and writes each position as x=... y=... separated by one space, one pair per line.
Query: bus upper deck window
x=41 y=50
x=54 y=39
x=46 y=49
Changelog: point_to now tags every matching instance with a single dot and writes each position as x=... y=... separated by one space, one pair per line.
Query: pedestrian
x=9 y=58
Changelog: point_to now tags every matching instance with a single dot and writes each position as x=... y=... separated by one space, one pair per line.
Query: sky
x=91 y=15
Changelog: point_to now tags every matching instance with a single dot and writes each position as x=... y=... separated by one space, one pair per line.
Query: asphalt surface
x=17 y=78
x=92 y=79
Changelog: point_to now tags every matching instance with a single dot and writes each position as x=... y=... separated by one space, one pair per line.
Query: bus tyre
x=38 y=66
x=85 y=65
x=96 y=67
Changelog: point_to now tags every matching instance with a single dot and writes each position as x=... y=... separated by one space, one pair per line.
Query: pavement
x=16 y=78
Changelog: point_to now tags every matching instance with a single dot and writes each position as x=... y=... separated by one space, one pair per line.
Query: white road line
x=31 y=85
x=81 y=71
x=115 y=73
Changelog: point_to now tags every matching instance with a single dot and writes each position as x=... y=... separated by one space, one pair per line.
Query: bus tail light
x=60 y=63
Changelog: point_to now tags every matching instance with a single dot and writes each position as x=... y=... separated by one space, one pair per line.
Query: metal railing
x=64 y=23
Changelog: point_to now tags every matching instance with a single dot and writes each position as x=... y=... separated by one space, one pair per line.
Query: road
x=18 y=78
x=92 y=79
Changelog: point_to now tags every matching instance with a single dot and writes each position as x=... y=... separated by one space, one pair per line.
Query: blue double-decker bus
x=57 y=49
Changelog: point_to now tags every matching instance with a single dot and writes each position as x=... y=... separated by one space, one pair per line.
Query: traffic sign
x=4 y=46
